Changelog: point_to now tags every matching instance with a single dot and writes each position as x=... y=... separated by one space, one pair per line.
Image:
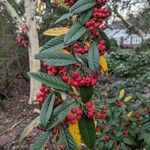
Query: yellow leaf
x=64 y=51
x=103 y=65
x=74 y=90
x=121 y=94
x=74 y=130
x=56 y=31
x=62 y=3
x=128 y=98
x=130 y=114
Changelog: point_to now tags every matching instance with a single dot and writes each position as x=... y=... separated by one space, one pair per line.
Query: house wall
x=123 y=39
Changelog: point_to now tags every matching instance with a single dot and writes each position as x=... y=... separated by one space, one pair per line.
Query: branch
x=129 y=25
x=12 y=12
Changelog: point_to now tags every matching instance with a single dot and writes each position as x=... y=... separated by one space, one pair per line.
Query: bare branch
x=129 y=25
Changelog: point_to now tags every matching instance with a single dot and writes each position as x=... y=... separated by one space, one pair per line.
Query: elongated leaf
x=88 y=132
x=67 y=139
x=85 y=16
x=75 y=33
x=53 y=81
x=105 y=37
x=86 y=93
x=41 y=141
x=54 y=44
x=63 y=17
x=56 y=31
x=28 y=129
x=56 y=58
x=93 y=57
x=129 y=141
x=82 y=5
x=46 y=110
x=61 y=112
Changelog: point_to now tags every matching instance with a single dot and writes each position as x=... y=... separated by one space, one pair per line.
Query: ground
x=15 y=114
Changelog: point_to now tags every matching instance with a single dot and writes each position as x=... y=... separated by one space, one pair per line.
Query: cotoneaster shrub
x=72 y=61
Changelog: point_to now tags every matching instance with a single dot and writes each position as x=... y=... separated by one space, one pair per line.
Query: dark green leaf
x=54 y=44
x=41 y=141
x=87 y=131
x=86 y=93
x=85 y=16
x=146 y=125
x=60 y=113
x=28 y=129
x=123 y=147
x=67 y=139
x=46 y=110
x=75 y=33
x=82 y=5
x=105 y=37
x=52 y=81
x=63 y=17
x=129 y=141
x=56 y=58
x=93 y=57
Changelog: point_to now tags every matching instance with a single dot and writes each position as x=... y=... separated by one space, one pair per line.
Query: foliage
x=124 y=122
x=130 y=69
x=68 y=74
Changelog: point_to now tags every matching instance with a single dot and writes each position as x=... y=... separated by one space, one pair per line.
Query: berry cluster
x=80 y=49
x=125 y=133
x=91 y=109
x=21 y=40
x=61 y=71
x=102 y=114
x=137 y=117
x=102 y=47
x=74 y=116
x=42 y=94
x=77 y=80
x=99 y=15
x=119 y=104
x=21 y=36
x=70 y=2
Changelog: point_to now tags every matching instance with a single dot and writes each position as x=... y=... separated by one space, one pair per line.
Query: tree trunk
x=33 y=47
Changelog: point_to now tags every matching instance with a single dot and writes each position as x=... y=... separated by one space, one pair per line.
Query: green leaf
x=87 y=131
x=46 y=110
x=146 y=125
x=129 y=141
x=41 y=141
x=54 y=44
x=67 y=139
x=93 y=57
x=52 y=81
x=56 y=58
x=123 y=147
x=86 y=93
x=75 y=33
x=85 y=16
x=82 y=5
x=60 y=113
x=63 y=17
x=28 y=129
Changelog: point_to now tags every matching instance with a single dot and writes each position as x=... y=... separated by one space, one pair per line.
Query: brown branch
x=129 y=25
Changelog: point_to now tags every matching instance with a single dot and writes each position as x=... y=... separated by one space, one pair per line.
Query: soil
x=15 y=115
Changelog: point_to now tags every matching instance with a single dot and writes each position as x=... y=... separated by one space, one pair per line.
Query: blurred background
x=23 y=22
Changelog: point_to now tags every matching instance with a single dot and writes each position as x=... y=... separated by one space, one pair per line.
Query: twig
x=16 y=124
